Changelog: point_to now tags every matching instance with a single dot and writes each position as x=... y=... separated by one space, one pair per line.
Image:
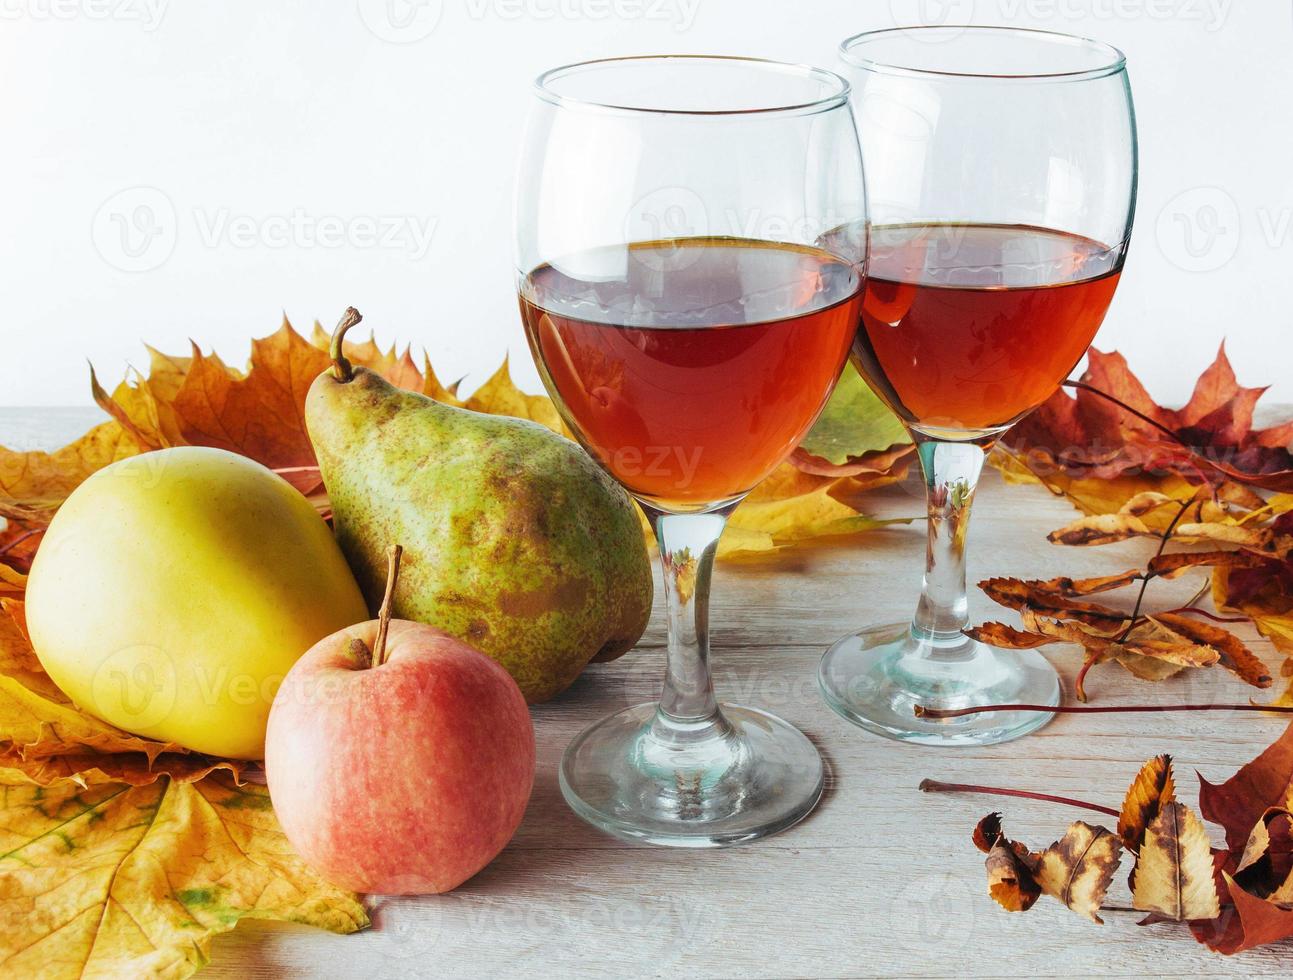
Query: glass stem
x=688 y=543
x=951 y=472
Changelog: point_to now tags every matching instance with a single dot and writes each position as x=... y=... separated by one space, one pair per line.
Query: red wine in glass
x=690 y=368
x=970 y=327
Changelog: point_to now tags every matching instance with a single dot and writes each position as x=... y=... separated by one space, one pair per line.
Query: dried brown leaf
x=1078 y=868
x=1019 y=595
x=1009 y=638
x=987 y=832
x=1211 y=439
x=1101 y=529
x=1173 y=565
x=1072 y=588
x=1266 y=865
x=1239 y=802
x=1250 y=922
x=1234 y=655
x=1152 y=788
x=1174 y=869
x=1010 y=880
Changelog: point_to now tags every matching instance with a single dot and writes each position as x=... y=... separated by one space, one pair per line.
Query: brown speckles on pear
x=568 y=595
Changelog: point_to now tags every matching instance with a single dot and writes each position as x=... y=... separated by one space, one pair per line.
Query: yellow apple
x=174 y=590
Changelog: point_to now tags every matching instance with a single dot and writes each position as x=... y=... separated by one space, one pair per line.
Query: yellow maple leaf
x=33 y=484
x=500 y=396
x=113 y=880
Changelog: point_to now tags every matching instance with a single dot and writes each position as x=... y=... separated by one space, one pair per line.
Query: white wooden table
x=881 y=880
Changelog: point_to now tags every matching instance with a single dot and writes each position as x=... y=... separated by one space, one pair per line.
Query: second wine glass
x=690 y=326
x=1001 y=165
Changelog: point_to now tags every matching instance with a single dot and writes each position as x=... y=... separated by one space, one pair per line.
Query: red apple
x=402 y=778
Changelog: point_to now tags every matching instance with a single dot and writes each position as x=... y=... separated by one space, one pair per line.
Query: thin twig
x=1095 y=709
x=1144 y=583
x=935 y=786
x=1196 y=611
x=1128 y=409
x=20 y=539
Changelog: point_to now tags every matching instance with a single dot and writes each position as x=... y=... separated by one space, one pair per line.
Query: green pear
x=514 y=539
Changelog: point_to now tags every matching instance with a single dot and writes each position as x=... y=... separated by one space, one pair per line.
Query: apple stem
x=384 y=614
x=341 y=368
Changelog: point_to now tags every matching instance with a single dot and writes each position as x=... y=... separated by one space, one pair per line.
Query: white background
x=258 y=155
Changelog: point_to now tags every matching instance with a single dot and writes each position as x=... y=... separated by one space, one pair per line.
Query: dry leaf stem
x=1092 y=709
x=936 y=786
x=1196 y=611
x=1145 y=580
x=1126 y=408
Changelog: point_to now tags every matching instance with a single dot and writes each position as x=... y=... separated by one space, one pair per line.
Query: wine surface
x=966 y=328
x=691 y=368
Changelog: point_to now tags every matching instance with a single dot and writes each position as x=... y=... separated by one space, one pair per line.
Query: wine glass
x=1001 y=169
x=690 y=328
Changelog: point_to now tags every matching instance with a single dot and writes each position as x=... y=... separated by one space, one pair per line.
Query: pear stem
x=384 y=614
x=341 y=367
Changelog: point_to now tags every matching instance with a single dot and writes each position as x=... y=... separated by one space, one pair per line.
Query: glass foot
x=642 y=776
x=876 y=677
